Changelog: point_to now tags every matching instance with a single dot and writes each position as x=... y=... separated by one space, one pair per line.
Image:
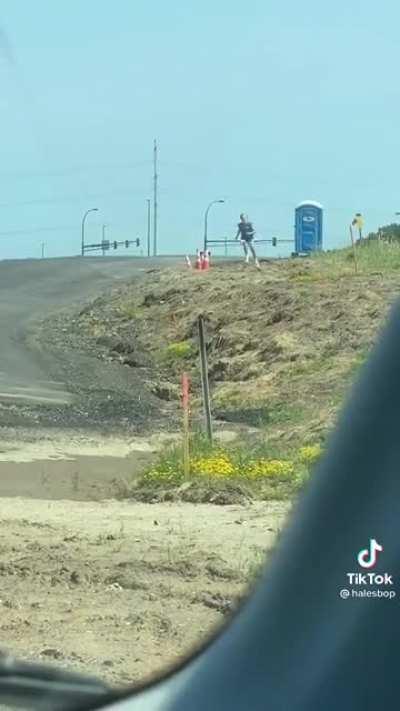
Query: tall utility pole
x=43 y=245
x=155 y=205
x=148 y=227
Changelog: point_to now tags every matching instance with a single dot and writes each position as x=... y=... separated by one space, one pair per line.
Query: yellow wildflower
x=269 y=468
x=310 y=454
x=218 y=465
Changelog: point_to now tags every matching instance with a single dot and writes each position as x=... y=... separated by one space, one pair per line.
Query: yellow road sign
x=359 y=221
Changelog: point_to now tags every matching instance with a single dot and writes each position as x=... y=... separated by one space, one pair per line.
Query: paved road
x=30 y=289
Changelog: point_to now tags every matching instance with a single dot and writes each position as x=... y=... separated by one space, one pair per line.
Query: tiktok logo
x=368 y=585
x=367 y=558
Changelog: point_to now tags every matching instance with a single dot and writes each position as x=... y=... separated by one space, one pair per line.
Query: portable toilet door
x=308 y=228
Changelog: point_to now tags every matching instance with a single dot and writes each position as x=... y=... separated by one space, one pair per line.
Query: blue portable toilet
x=308 y=227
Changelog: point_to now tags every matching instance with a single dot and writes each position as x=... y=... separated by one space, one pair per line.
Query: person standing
x=246 y=233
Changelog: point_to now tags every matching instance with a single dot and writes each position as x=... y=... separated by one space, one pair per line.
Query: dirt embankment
x=283 y=343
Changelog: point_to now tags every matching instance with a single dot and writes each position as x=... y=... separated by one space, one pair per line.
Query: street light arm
x=208 y=208
x=214 y=202
x=206 y=213
x=92 y=209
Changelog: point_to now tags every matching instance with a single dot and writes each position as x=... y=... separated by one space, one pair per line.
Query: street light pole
x=93 y=209
x=148 y=227
x=103 y=239
x=214 y=202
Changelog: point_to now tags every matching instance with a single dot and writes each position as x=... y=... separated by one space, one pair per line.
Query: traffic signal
x=138 y=242
x=115 y=245
x=127 y=243
x=274 y=241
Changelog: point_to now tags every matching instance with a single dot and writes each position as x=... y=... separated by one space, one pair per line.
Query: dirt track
x=43 y=386
x=120 y=589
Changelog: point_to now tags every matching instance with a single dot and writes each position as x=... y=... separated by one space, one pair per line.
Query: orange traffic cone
x=206 y=261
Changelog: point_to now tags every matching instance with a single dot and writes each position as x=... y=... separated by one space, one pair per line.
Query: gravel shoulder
x=104 y=396
x=43 y=381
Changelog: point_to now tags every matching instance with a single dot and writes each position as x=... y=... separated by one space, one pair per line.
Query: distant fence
x=225 y=242
x=106 y=245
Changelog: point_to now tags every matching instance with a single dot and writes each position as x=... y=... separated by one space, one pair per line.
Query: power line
x=61 y=228
x=36 y=230
x=73 y=170
x=78 y=198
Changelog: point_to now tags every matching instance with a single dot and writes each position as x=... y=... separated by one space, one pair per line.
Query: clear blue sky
x=263 y=103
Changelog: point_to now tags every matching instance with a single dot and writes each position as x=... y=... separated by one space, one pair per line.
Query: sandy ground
x=70 y=465
x=123 y=590
x=62 y=464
